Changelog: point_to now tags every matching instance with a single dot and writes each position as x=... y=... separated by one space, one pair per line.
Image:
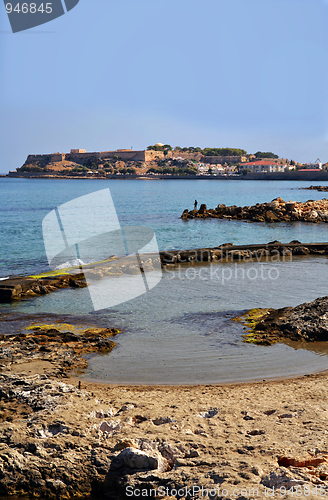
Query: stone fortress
x=81 y=156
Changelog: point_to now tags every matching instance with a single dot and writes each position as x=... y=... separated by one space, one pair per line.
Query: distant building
x=264 y=166
x=74 y=151
x=215 y=169
x=313 y=166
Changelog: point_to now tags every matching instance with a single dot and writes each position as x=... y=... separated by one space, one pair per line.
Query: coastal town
x=163 y=161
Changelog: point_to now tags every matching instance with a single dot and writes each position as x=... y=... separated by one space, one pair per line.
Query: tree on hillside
x=224 y=152
x=156 y=147
x=261 y=154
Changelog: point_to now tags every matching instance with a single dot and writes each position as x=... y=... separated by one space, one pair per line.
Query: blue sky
x=115 y=74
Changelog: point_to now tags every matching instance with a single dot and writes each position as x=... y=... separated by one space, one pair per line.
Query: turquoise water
x=182 y=330
x=157 y=204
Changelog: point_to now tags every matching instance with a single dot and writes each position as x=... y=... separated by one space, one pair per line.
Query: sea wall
x=293 y=175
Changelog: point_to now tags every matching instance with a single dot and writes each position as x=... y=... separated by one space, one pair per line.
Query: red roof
x=309 y=170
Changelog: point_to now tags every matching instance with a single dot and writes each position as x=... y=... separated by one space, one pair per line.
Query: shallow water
x=181 y=331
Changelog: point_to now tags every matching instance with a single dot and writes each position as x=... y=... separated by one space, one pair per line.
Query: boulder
x=308 y=321
x=301 y=251
x=290 y=205
x=138 y=459
x=279 y=478
x=271 y=216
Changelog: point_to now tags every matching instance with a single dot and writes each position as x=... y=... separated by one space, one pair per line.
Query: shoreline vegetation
x=61 y=438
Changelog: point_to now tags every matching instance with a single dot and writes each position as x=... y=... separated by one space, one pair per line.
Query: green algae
x=61 y=327
x=69 y=270
x=250 y=320
x=64 y=327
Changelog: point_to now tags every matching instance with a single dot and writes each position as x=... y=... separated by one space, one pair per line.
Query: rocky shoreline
x=317 y=188
x=307 y=322
x=277 y=210
x=60 y=439
x=17 y=288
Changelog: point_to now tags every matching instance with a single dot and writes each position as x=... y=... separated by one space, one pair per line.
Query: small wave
x=73 y=263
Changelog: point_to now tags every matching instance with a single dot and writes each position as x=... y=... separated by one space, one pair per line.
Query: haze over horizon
x=111 y=75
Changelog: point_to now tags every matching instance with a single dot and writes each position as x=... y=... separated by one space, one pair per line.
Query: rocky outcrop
x=32 y=286
x=227 y=252
x=307 y=322
x=57 y=351
x=12 y=289
x=276 y=211
x=26 y=287
x=317 y=188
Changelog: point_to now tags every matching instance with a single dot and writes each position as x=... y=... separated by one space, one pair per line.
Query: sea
x=182 y=331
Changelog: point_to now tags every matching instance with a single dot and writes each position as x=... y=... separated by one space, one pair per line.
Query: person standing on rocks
x=195 y=205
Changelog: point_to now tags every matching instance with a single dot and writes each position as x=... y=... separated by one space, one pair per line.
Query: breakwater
x=25 y=287
x=277 y=210
x=317 y=188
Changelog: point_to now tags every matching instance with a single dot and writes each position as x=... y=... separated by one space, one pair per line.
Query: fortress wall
x=35 y=158
x=153 y=155
x=82 y=157
x=57 y=157
x=124 y=155
x=223 y=159
x=187 y=156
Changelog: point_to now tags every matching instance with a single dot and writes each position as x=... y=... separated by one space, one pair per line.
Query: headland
x=164 y=162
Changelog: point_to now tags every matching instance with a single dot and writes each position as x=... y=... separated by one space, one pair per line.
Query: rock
x=301 y=251
x=138 y=419
x=269 y=412
x=109 y=427
x=290 y=205
x=279 y=478
x=275 y=211
x=308 y=321
x=138 y=459
x=209 y=413
x=284 y=461
x=286 y=252
x=163 y=420
x=77 y=283
x=271 y=216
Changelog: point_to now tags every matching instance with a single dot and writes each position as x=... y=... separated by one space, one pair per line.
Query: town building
x=264 y=166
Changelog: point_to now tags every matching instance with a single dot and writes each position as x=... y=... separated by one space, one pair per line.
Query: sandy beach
x=251 y=440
